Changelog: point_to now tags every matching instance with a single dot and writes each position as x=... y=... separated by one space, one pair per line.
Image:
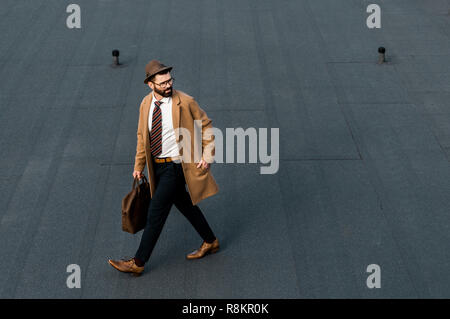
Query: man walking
x=173 y=163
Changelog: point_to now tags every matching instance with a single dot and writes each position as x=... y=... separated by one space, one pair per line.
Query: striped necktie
x=155 y=135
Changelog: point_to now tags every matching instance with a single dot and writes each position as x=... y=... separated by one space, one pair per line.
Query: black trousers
x=170 y=189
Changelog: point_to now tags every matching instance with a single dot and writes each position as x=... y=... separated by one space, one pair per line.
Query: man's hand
x=203 y=164
x=137 y=174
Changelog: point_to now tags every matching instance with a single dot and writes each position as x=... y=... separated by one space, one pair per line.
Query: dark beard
x=163 y=92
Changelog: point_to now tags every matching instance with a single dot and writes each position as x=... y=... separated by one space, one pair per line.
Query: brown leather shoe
x=127 y=266
x=204 y=249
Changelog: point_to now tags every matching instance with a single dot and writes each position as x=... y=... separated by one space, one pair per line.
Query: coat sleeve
x=208 y=147
x=139 y=161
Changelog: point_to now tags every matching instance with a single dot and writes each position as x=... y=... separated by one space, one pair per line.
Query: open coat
x=185 y=110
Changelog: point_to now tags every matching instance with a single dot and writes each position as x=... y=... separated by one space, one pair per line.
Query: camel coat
x=185 y=110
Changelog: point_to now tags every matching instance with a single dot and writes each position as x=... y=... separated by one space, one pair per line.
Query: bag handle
x=137 y=180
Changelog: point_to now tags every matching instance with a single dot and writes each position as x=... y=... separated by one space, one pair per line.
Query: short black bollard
x=115 y=55
x=382 y=56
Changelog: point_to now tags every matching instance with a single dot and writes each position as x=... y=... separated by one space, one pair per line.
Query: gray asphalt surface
x=364 y=174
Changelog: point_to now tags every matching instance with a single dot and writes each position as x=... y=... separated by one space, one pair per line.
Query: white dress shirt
x=169 y=142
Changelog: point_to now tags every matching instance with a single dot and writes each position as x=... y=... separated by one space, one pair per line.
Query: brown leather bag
x=135 y=206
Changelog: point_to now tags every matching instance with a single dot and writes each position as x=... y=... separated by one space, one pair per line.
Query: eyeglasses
x=165 y=83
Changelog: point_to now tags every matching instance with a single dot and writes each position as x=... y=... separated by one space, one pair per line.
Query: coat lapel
x=146 y=111
x=176 y=109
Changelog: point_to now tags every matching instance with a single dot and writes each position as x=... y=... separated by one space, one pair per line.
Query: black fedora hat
x=154 y=67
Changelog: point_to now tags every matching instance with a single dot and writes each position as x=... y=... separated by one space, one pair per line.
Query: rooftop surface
x=364 y=171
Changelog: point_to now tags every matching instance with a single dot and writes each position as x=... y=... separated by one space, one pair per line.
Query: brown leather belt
x=165 y=159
